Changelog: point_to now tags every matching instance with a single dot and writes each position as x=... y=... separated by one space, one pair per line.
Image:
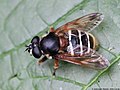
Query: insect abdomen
x=79 y=42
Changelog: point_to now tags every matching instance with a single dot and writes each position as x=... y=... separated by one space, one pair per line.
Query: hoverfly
x=72 y=43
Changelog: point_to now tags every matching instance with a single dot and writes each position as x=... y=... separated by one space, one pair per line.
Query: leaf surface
x=21 y=20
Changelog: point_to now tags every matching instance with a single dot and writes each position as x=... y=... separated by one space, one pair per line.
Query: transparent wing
x=91 y=59
x=85 y=23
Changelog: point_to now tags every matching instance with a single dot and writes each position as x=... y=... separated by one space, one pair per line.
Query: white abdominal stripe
x=81 y=45
x=79 y=48
x=88 y=42
x=70 y=43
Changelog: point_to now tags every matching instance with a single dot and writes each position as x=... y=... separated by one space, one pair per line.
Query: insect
x=72 y=43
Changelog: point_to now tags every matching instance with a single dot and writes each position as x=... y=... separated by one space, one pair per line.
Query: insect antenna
x=27 y=49
x=26 y=46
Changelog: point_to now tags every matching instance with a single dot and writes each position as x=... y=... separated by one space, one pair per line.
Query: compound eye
x=36 y=52
x=35 y=39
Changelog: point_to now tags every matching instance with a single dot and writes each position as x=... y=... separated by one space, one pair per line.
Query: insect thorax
x=50 y=44
x=80 y=42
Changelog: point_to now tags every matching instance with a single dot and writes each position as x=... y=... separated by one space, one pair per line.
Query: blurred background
x=21 y=20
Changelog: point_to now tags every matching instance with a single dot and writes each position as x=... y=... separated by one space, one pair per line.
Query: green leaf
x=21 y=20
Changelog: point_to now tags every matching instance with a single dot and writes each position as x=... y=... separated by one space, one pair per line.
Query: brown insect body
x=72 y=43
x=64 y=42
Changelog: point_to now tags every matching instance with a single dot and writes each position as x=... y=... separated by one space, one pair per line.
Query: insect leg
x=42 y=60
x=56 y=65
